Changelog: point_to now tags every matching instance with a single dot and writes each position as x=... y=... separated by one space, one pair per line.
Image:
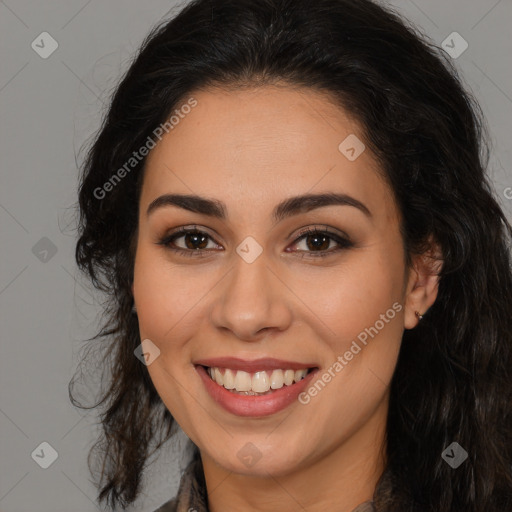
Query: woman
x=307 y=269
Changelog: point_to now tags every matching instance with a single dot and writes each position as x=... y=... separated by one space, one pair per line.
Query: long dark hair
x=453 y=378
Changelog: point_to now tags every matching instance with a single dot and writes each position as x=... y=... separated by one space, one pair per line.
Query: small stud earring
x=134 y=309
x=418 y=315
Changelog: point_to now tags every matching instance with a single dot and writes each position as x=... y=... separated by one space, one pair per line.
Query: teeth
x=258 y=382
x=242 y=381
x=229 y=379
x=218 y=376
x=300 y=374
x=277 y=379
x=289 y=375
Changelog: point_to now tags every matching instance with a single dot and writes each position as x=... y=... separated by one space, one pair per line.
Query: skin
x=258 y=147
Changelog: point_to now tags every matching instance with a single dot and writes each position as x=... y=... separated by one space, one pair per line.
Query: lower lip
x=252 y=405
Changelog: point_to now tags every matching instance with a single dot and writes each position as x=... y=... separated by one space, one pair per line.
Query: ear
x=422 y=283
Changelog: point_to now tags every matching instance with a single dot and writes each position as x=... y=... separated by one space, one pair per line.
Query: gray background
x=49 y=108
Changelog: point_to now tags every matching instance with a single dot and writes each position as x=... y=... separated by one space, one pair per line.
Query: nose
x=252 y=301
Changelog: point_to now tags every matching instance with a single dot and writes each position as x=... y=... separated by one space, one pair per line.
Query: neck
x=339 y=480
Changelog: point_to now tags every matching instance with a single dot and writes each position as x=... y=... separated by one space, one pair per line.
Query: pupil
x=196 y=238
x=322 y=245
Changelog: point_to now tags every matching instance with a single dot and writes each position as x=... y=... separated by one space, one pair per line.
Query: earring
x=418 y=315
x=134 y=309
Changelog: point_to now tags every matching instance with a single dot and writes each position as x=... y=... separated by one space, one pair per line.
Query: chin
x=250 y=459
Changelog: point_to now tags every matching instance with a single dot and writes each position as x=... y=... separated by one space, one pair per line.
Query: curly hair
x=453 y=379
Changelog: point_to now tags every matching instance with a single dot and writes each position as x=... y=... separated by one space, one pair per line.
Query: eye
x=317 y=242
x=195 y=242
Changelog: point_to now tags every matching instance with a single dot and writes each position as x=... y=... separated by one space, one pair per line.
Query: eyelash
x=344 y=243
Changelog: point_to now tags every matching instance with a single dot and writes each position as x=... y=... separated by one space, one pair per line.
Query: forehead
x=260 y=145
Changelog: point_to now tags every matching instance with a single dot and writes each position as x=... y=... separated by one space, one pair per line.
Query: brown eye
x=317 y=242
x=195 y=242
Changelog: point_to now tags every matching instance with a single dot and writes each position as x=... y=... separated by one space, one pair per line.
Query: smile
x=257 y=383
x=254 y=388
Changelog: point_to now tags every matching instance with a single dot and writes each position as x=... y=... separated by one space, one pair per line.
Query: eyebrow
x=287 y=208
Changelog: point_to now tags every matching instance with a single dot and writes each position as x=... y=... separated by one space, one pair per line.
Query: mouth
x=254 y=388
x=259 y=383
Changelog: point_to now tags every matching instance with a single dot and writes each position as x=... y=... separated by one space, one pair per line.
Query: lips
x=251 y=404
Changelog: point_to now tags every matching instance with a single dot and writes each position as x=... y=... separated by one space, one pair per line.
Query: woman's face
x=251 y=286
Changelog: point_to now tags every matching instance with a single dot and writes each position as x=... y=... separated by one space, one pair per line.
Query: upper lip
x=250 y=366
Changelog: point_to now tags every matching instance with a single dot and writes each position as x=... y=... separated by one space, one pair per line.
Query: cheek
x=169 y=308
x=361 y=303
x=167 y=294
x=167 y=303
x=372 y=326
x=351 y=297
